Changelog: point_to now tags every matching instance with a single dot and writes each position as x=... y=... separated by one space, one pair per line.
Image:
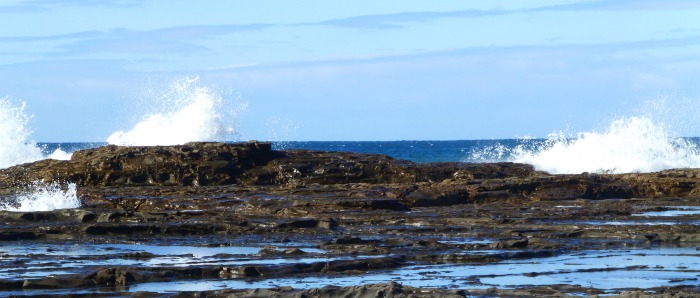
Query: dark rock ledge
x=256 y=164
x=369 y=213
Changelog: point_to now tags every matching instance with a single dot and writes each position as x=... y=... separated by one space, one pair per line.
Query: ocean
x=186 y=111
x=634 y=145
x=417 y=151
x=597 y=153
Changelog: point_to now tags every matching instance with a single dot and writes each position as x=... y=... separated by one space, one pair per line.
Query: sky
x=352 y=70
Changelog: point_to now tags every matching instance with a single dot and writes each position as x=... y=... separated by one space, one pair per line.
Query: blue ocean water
x=419 y=151
x=416 y=151
x=592 y=153
x=68 y=147
x=627 y=144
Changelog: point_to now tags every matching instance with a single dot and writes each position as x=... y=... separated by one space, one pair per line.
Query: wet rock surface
x=237 y=220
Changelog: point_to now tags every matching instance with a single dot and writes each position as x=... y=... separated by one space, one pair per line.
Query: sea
x=591 y=154
x=187 y=111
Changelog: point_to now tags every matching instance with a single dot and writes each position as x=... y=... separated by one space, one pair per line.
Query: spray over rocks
x=185 y=111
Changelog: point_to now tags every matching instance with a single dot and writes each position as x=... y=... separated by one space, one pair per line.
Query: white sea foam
x=42 y=196
x=15 y=145
x=630 y=144
x=59 y=154
x=185 y=112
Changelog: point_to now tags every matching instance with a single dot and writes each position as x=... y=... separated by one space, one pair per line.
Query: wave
x=16 y=146
x=628 y=145
x=185 y=112
x=42 y=196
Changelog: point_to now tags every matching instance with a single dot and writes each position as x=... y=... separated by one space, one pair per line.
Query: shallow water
x=27 y=260
x=673 y=211
x=607 y=270
x=632 y=223
x=466 y=241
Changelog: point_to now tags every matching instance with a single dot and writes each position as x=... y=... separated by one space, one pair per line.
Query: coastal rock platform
x=244 y=220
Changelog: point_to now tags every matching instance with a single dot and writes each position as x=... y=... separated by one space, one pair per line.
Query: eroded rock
x=341 y=214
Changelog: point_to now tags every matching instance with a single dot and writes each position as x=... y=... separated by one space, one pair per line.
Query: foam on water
x=630 y=144
x=184 y=112
x=16 y=146
x=59 y=154
x=42 y=196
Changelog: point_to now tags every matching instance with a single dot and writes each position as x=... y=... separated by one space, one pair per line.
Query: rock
x=190 y=164
x=374 y=204
x=52 y=283
x=328 y=224
x=300 y=224
x=114 y=277
x=354 y=240
x=293 y=251
x=364 y=212
x=7 y=285
x=14 y=236
x=240 y=272
x=506 y=244
x=254 y=163
x=431 y=198
x=362 y=265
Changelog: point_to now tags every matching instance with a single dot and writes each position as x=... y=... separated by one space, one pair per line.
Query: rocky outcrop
x=191 y=164
x=320 y=215
x=255 y=163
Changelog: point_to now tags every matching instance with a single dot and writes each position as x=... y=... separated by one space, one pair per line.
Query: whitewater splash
x=188 y=112
x=16 y=147
x=631 y=144
x=42 y=196
x=59 y=154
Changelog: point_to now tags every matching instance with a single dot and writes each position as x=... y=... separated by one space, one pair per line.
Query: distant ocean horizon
x=556 y=155
x=416 y=151
x=191 y=112
x=634 y=144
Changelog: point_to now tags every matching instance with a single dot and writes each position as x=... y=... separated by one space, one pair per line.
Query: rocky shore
x=243 y=220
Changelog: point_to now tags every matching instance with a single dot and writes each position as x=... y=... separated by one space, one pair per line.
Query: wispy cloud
x=131 y=45
x=173 y=40
x=546 y=56
x=399 y=20
x=185 y=39
x=106 y=3
x=34 y=6
x=180 y=32
x=624 y=5
x=391 y=21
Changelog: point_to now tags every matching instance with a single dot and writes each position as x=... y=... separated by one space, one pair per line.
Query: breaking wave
x=184 y=112
x=16 y=145
x=42 y=196
x=630 y=144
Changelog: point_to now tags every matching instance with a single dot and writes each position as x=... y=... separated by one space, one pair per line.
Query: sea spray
x=184 y=112
x=15 y=144
x=630 y=144
x=41 y=196
x=59 y=154
x=281 y=132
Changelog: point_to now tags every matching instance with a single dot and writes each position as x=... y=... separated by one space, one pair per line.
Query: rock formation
x=367 y=213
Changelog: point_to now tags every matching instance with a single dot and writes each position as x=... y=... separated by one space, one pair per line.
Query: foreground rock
x=271 y=216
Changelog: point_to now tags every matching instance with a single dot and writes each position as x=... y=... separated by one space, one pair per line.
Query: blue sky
x=352 y=70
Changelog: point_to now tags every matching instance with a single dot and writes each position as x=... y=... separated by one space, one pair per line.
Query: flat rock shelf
x=243 y=220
